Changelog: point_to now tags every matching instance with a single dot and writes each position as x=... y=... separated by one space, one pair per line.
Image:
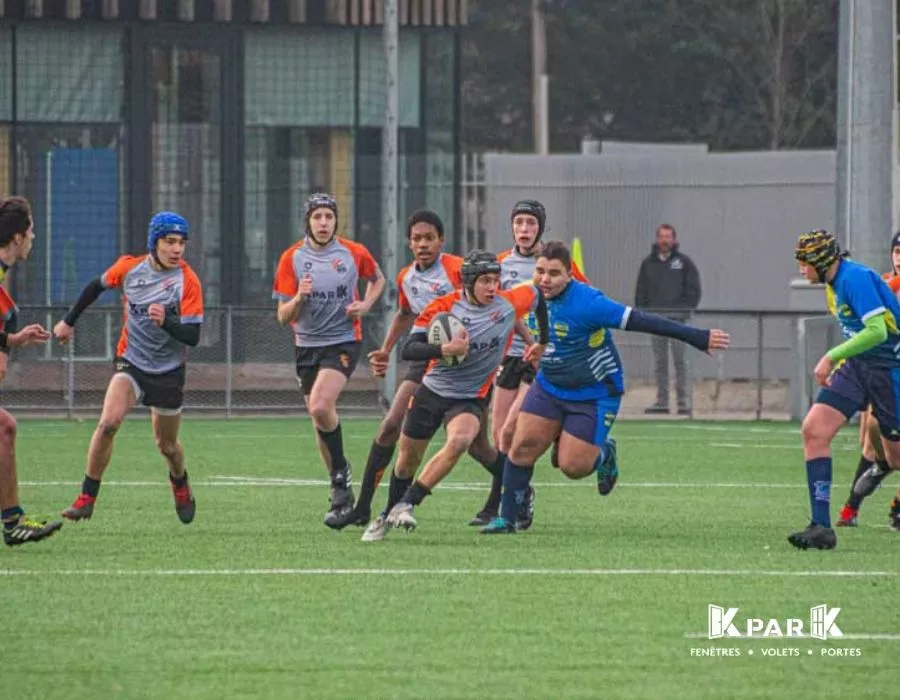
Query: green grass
x=133 y=627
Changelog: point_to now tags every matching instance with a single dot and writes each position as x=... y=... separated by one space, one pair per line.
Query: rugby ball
x=442 y=329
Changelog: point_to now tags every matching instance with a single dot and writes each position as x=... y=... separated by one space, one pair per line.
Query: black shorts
x=513 y=372
x=415 y=371
x=163 y=392
x=429 y=411
x=342 y=357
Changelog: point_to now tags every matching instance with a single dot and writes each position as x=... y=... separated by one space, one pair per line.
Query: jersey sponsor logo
x=338 y=294
x=141 y=310
x=339 y=265
x=496 y=316
x=481 y=346
x=596 y=339
x=561 y=329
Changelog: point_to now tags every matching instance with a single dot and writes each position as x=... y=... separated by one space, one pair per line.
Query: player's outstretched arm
x=703 y=339
x=91 y=292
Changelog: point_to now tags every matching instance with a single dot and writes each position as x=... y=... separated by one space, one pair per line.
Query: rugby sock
x=379 y=459
x=496 y=470
x=884 y=469
x=416 y=493
x=10 y=516
x=854 y=501
x=601 y=458
x=515 y=485
x=334 y=443
x=396 y=490
x=818 y=479
x=180 y=482
x=90 y=486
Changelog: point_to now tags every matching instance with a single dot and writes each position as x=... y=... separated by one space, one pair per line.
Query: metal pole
x=538 y=72
x=865 y=117
x=229 y=369
x=70 y=380
x=389 y=160
x=544 y=97
x=48 y=248
x=759 y=365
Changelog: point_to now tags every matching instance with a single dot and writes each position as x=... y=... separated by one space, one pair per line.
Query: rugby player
x=316 y=289
x=861 y=371
x=163 y=301
x=455 y=396
x=16 y=241
x=577 y=392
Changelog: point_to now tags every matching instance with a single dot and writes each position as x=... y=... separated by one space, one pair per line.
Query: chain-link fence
x=244 y=366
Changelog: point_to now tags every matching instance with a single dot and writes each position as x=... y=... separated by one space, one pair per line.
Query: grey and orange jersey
x=489 y=328
x=515 y=269
x=418 y=288
x=335 y=271
x=144 y=344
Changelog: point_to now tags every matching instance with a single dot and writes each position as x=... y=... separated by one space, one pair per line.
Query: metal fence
x=244 y=366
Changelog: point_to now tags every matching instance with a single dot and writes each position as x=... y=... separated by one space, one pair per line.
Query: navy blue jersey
x=581 y=362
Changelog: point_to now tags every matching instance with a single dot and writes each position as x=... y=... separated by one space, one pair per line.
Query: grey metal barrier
x=244 y=365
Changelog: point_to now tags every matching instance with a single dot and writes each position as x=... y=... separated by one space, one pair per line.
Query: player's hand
x=305 y=288
x=63 y=332
x=34 y=334
x=357 y=309
x=823 y=371
x=4 y=359
x=157 y=313
x=378 y=362
x=718 y=340
x=534 y=353
x=458 y=346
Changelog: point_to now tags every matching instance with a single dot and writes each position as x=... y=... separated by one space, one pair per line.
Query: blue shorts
x=589 y=420
x=855 y=385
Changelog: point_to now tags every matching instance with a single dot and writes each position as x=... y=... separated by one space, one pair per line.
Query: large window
x=283 y=165
x=67 y=153
x=6 y=81
x=185 y=105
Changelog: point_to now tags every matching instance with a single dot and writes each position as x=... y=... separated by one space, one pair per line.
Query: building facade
x=229 y=111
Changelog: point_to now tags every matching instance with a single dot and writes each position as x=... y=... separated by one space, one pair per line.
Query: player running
x=432 y=274
x=316 y=286
x=456 y=396
x=863 y=370
x=873 y=467
x=163 y=304
x=529 y=221
x=16 y=241
x=578 y=390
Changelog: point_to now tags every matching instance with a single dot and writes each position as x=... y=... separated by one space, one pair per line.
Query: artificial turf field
x=603 y=598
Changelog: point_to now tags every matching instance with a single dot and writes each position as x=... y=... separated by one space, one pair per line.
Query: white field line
x=751 y=573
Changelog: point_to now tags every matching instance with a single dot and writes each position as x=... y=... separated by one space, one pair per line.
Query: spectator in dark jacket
x=669 y=283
